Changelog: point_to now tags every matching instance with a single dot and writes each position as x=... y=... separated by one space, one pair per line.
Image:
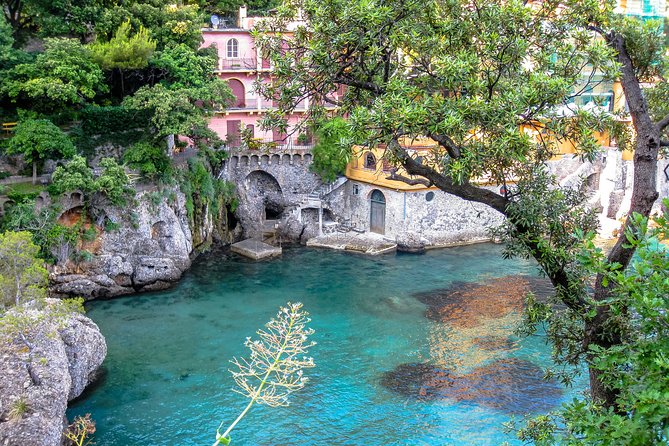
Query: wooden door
x=377 y=218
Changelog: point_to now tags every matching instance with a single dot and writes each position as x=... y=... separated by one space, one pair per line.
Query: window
x=429 y=196
x=233 y=48
x=370 y=161
x=356 y=189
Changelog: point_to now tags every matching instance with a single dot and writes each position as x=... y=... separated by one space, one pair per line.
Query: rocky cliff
x=38 y=382
x=148 y=249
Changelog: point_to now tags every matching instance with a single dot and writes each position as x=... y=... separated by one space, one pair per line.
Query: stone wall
x=441 y=221
x=269 y=184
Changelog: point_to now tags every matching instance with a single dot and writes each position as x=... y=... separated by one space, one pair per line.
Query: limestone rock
x=65 y=359
x=411 y=242
x=150 y=249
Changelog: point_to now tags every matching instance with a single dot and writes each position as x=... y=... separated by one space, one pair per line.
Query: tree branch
x=410 y=181
x=663 y=123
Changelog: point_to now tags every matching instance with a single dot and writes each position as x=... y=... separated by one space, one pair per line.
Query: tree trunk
x=644 y=194
x=34 y=172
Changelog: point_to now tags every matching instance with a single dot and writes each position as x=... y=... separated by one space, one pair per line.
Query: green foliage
x=63 y=75
x=113 y=182
x=168 y=23
x=111 y=119
x=332 y=151
x=186 y=67
x=22 y=273
x=124 y=51
x=230 y=8
x=638 y=367
x=150 y=159
x=180 y=111
x=19 y=408
x=75 y=175
x=40 y=139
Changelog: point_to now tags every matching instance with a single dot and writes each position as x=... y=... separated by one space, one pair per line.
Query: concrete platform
x=255 y=249
x=365 y=243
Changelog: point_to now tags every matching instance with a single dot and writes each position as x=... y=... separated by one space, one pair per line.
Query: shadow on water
x=511 y=385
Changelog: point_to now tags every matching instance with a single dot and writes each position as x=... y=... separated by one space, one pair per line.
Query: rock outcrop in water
x=149 y=250
x=65 y=359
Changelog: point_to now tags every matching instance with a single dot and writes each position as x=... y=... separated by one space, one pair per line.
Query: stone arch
x=285 y=159
x=276 y=159
x=307 y=158
x=297 y=158
x=239 y=92
x=264 y=191
x=254 y=161
x=234 y=161
x=244 y=161
x=264 y=160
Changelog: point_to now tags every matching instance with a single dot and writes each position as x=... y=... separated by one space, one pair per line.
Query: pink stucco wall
x=247 y=68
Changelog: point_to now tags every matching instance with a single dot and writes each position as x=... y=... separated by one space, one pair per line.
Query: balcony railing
x=242 y=63
x=263 y=104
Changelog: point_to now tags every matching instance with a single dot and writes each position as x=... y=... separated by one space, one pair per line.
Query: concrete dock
x=255 y=249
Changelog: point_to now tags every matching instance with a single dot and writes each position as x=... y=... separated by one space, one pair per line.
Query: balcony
x=238 y=64
x=256 y=104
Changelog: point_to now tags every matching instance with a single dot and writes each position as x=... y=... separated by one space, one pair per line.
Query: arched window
x=233 y=48
x=370 y=161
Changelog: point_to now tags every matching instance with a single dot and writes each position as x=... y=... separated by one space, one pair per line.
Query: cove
x=412 y=350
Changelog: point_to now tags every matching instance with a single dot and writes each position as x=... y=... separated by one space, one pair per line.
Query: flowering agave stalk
x=274 y=369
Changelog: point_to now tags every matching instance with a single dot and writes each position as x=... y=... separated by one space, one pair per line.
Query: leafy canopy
x=40 y=139
x=63 y=75
x=124 y=51
x=22 y=273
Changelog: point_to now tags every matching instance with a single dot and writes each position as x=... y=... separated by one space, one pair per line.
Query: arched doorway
x=377 y=217
x=239 y=91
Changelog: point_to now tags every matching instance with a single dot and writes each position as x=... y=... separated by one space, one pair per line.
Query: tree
x=22 y=273
x=332 y=151
x=63 y=75
x=75 y=175
x=123 y=51
x=150 y=159
x=180 y=111
x=40 y=139
x=470 y=75
x=113 y=182
x=168 y=23
x=185 y=67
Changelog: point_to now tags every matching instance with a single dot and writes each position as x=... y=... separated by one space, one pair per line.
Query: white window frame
x=232 y=49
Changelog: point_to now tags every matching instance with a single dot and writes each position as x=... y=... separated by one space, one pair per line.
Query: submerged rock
x=468 y=304
x=65 y=359
x=511 y=385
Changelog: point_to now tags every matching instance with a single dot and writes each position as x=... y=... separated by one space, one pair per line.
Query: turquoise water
x=167 y=379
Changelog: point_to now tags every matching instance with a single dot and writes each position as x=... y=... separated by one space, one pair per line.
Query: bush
x=150 y=160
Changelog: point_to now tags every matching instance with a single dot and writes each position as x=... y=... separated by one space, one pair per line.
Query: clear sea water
x=167 y=379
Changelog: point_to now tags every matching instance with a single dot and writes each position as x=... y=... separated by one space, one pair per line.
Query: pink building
x=241 y=65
